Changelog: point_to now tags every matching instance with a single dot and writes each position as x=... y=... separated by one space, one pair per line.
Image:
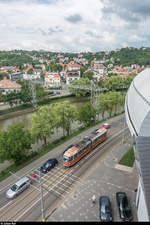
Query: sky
x=74 y=25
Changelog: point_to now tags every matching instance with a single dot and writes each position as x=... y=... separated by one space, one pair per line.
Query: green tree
x=15 y=143
x=12 y=98
x=3 y=74
x=55 y=67
x=103 y=104
x=65 y=114
x=88 y=74
x=30 y=71
x=40 y=92
x=43 y=123
x=87 y=114
x=83 y=82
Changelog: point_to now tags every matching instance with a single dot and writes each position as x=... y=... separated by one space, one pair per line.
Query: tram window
x=95 y=140
x=82 y=150
x=102 y=135
x=68 y=158
x=75 y=155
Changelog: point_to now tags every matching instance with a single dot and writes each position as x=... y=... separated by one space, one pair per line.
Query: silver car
x=18 y=187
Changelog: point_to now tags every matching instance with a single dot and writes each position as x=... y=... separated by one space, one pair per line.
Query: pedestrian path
x=124 y=168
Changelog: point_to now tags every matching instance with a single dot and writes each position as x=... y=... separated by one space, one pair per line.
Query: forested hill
x=129 y=56
x=125 y=57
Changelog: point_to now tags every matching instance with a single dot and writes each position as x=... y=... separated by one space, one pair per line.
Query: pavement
x=105 y=178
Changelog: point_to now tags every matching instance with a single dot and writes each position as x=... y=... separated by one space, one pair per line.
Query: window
x=22 y=185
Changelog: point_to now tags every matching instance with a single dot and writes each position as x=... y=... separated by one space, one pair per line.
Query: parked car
x=18 y=187
x=105 y=209
x=106 y=125
x=48 y=165
x=124 y=206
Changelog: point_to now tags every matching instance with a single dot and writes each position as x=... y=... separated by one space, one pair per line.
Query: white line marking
x=5 y=205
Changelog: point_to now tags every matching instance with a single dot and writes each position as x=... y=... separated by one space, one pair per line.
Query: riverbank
x=29 y=108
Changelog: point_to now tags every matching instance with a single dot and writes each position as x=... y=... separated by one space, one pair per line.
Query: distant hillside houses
x=5 y=69
x=123 y=71
x=7 y=86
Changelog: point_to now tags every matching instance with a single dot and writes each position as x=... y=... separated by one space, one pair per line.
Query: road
x=57 y=184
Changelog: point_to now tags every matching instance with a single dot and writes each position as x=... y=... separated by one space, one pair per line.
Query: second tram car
x=77 y=151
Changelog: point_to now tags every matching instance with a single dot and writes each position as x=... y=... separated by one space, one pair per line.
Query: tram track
x=51 y=184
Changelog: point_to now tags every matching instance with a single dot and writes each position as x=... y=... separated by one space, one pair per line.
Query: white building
x=31 y=76
x=73 y=73
x=137 y=112
x=7 y=86
x=52 y=80
x=74 y=67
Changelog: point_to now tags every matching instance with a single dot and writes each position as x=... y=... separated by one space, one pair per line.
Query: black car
x=105 y=209
x=48 y=165
x=124 y=206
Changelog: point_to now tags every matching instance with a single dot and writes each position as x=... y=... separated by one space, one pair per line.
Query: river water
x=26 y=118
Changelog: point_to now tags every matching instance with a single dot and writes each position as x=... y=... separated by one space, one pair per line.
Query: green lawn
x=128 y=158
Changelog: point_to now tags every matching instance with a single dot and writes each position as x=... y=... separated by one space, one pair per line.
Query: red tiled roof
x=46 y=75
x=56 y=75
x=6 y=83
x=75 y=65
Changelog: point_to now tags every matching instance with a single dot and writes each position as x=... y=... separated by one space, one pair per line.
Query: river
x=26 y=118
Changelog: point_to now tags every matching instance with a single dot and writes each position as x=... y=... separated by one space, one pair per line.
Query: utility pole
x=33 y=92
x=42 y=203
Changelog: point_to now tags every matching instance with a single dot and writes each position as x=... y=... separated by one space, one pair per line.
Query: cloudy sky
x=74 y=25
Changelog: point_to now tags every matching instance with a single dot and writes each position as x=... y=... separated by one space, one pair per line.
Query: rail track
x=58 y=182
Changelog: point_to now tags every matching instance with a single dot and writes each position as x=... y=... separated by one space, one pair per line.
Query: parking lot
x=105 y=178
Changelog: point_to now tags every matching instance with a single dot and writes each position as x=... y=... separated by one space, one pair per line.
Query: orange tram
x=75 y=152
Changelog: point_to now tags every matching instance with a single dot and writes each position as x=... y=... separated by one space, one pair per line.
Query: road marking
x=31 y=207
x=5 y=205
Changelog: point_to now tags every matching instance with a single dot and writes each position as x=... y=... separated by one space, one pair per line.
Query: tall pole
x=42 y=203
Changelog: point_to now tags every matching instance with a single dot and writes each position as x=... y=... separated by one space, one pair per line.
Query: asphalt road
x=58 y=183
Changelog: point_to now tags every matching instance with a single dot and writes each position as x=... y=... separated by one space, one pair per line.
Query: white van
x=18 y=187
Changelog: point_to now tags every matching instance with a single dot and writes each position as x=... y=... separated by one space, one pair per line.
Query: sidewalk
x=104 y=179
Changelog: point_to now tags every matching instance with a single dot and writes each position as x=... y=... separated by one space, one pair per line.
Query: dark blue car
x=105 y=209
x=48 y=165
x=124 y=206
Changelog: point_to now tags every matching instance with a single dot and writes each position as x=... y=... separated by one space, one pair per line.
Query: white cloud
x=68 y=25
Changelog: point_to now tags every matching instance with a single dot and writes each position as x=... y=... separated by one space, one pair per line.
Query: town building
x=73 y=73
x=16 y=76
x=52 y=80
x=7 y=85
x=137 y=113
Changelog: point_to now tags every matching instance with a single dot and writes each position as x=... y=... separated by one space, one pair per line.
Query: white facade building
x=31 y=76
x=52 y=80
x=73 y=73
